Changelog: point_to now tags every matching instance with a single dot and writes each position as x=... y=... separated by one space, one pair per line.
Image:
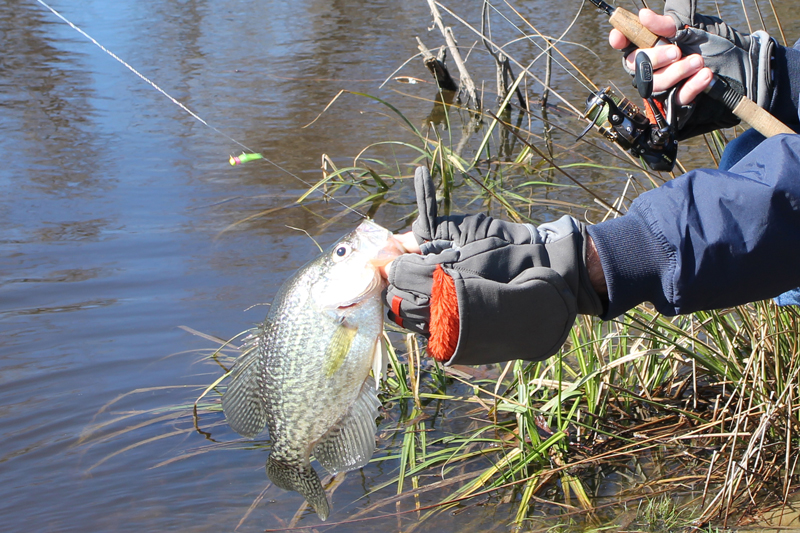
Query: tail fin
x=303 y=479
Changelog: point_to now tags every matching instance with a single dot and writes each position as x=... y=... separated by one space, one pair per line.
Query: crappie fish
x=305 y=373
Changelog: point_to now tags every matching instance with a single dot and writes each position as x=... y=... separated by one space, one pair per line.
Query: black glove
x=490 y=291
x=742 y=60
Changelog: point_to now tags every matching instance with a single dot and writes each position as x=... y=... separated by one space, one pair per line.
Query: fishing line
x=192 y=113
x=551 y=44
x=520 y=65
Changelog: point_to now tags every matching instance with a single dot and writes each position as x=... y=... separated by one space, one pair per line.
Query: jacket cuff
x=786 y=66
x=637 y=262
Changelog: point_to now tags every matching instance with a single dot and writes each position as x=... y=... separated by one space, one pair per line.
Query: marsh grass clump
x=661 y=514
x=700 y=411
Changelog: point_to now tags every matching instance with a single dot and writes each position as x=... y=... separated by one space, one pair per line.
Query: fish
x=305 y=372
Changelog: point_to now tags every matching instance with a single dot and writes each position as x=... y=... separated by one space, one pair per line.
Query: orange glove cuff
x=444 y=324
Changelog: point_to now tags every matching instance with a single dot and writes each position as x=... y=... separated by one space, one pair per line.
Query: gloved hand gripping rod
x=741 y=106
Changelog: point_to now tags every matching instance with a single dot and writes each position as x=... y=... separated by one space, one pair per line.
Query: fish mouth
x=357 y=278
x=390 y=251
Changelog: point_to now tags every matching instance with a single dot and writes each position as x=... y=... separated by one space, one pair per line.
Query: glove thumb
x=684 y=13
x=425 y=226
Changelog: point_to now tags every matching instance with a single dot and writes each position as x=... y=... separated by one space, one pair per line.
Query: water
x=114 y=231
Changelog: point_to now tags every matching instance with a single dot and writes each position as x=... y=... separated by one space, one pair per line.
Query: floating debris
x=408 y=79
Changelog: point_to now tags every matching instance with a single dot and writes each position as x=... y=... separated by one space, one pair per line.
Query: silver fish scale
x=303 y=404
x=307 y=374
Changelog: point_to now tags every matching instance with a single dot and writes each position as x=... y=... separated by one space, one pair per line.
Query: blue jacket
x=711 y=239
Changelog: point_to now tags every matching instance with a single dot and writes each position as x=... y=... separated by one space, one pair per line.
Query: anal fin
x=351 y=442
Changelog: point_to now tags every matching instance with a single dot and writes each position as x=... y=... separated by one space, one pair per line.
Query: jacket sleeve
x=786 y=71
x=708 y=239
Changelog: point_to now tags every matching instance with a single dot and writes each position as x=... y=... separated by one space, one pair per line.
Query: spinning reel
x=620 y=121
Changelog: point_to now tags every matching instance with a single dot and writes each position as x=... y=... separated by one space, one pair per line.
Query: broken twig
x=435 y=64
x=452 y=46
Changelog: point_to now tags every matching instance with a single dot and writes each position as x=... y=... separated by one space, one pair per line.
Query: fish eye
x=341 y=251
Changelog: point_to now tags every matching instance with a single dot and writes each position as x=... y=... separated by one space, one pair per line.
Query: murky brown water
x=112 y=209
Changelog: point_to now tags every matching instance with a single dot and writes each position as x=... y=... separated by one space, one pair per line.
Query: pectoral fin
x=338 y=348
x=380 y=361
x=351 y=442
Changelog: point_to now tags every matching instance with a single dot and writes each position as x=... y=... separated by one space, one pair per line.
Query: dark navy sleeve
x=786 y=69
x=708 y=239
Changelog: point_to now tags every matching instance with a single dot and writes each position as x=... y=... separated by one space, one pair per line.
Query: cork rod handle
x=629 y=25
x=760 y=119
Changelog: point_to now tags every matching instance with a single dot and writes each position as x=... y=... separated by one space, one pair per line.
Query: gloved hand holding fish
x=306 y=372
x=485 y=290
x=482 y=290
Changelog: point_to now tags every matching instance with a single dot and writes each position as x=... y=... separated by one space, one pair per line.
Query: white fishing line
x=189 y=111
x=142 y=76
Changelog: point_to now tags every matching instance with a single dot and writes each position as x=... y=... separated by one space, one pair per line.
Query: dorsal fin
x=351 y=442
x=243 y=403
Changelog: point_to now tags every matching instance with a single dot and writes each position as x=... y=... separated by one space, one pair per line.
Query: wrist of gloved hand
x=492 y=300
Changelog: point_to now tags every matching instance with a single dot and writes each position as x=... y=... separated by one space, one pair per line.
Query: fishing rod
x=617 y=118
x=741 y=106
x=246 y=156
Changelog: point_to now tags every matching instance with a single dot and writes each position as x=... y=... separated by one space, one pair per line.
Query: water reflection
x=77 y=306
x=79 y=230
x=45 y=87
